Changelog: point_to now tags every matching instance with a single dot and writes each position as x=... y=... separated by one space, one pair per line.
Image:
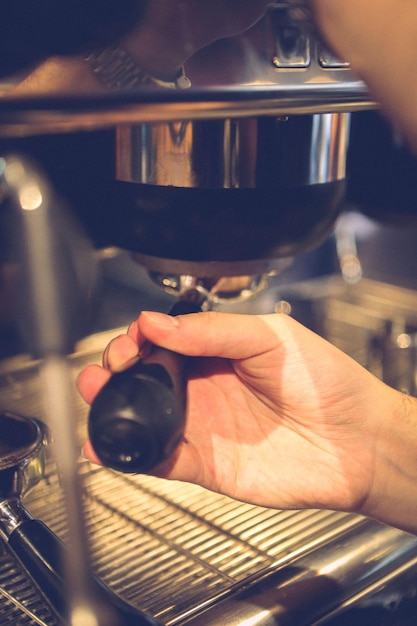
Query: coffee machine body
x=213 y=191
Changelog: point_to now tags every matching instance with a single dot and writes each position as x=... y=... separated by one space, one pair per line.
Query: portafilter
x=39 y=551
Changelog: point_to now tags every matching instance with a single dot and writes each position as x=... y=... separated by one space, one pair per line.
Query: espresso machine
x=207 y=197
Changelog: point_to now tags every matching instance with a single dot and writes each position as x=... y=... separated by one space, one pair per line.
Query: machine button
x=292 y=46
x=328 y=60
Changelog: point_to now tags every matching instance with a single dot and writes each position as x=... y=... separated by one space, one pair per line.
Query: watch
x=116 y=69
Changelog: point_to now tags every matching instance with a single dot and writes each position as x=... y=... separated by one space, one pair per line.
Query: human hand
x=276 y=415
x=380 y=43
x=166 y=35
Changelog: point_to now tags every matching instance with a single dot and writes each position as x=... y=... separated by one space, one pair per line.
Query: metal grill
x=169 y=547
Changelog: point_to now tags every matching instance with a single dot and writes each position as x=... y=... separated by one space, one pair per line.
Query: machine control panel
x=297 y=44
x=293 y=45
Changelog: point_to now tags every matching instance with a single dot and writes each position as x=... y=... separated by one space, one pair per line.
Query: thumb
x=211 y=334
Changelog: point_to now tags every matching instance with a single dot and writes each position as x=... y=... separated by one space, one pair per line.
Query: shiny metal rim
x=20 y=117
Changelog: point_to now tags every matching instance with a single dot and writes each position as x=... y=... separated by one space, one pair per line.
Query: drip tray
x=179 y=552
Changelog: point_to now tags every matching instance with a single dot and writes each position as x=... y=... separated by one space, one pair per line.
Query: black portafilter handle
x=137 y=420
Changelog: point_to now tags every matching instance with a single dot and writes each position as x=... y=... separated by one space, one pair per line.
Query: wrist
x=392 y=498
x=117 y=70
x=152 y=53
x=380 y=45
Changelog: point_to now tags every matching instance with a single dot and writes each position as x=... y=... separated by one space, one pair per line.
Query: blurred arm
x=379 y=38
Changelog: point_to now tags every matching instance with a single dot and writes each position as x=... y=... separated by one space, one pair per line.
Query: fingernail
x=161 y=319
x=106 y=359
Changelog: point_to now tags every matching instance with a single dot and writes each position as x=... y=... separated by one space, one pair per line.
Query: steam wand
x=46 y=252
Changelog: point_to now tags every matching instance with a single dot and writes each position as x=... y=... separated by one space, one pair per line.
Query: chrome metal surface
x=34 y=116
x=24 y=465
x=176 y=550
x=278 y=67
x=214 y=291
x=12 y=514
x=164 y=268
x=314 y=584
x=230 y=154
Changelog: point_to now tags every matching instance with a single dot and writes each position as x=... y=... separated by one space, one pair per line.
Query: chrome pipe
x=312 y=586
x=79 y=598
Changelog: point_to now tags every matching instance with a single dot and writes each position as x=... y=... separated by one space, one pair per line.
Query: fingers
x=121 y=351
x=223 y=335
x=118 y=355
x=90 y=454
x=90 y=380
x=212 y=334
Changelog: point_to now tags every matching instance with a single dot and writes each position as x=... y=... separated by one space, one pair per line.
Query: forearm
x=393 y=496
x=380 y=41
x=59 y=75
x=167 y=34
